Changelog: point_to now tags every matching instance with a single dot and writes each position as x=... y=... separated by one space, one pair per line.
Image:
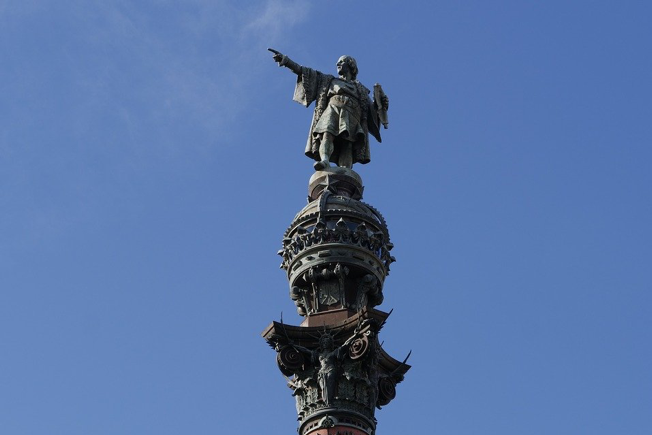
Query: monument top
x=344 y=113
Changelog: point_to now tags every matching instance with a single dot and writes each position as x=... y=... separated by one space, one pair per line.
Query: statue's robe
x=312 y=86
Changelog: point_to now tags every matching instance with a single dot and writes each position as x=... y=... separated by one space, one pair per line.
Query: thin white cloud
x=163 y=68
x=213 y=88
x=277 y=17
x=164 y=64
x=131 y=81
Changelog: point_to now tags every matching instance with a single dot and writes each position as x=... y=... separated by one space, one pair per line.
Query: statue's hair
x=326 y=336
x=352 y=64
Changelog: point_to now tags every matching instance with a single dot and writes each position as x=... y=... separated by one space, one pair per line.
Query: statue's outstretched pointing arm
x=309 y=353
x=285 y=61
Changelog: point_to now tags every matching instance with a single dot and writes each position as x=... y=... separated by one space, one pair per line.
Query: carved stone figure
x=345 y=379
x=328 y=359
x=328 y=285
x=369 y=293
x=344 y=113
x=299 y=297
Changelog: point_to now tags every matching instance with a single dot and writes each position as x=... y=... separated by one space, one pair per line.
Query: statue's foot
x=323 y=164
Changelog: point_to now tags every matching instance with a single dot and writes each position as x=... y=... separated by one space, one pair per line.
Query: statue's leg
x=325 y=150
x=324 y=390
x=346 y=155
x=331 y=384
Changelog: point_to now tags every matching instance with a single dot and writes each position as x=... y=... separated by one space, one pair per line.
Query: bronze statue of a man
x=344 y=113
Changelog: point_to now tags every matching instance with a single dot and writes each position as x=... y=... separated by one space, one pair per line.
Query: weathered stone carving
x=327 y=359
x=344 y=113
x=341 y=233
x=369 y=292
x=358 y=347
x=289 y=360
x=386 y=390
x=300 y=297
x=328 y=372
x=336 y=254
x=328 y=288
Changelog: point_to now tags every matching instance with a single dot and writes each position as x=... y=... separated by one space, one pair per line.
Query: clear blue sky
x=151 y=159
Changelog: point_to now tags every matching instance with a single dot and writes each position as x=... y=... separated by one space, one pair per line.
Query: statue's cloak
x=312 y=86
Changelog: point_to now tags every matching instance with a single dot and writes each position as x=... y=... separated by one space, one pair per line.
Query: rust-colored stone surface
x=338 y=430
x=328 y=318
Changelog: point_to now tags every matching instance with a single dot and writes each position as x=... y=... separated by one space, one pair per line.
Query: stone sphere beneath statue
x=341 y=181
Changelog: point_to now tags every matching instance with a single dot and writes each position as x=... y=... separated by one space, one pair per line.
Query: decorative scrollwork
x=358 y=347
x=289 y=360
x=375 y=241
x=386 y=391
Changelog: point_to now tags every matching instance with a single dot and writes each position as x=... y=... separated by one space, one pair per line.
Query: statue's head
x=347 y=63
x=326 y=341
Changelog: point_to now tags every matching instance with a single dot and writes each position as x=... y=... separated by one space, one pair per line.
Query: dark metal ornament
x=336 y=254
x=358 y=347
x=289 y=360
x=386 y=391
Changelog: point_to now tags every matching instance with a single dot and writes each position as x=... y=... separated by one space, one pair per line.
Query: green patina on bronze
x=336 y=253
